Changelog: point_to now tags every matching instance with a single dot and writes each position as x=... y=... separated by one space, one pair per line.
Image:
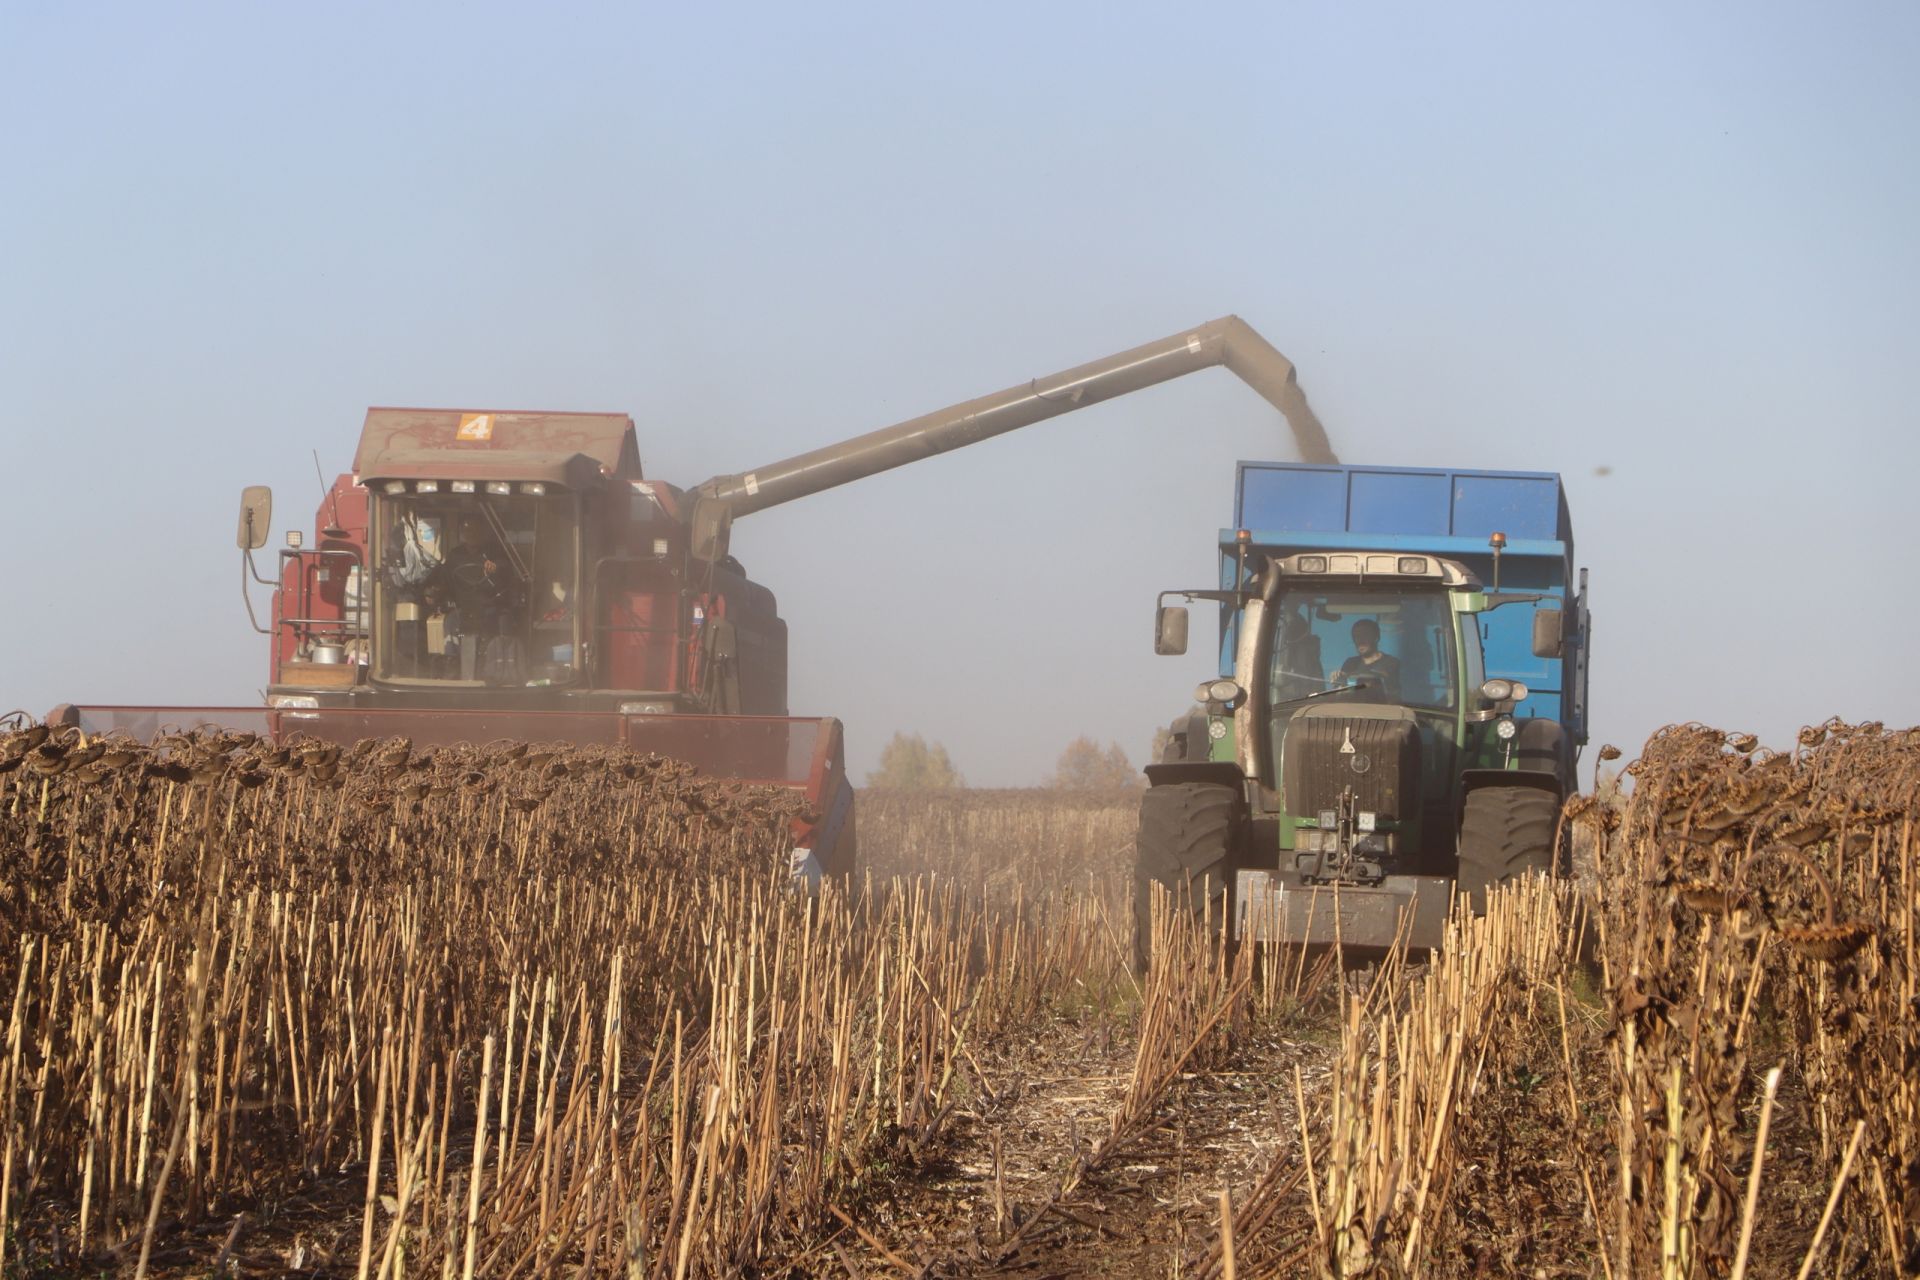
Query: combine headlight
x=461 y=486
x=294 y=538
x=646 y=708
x=395 y=486
x=534 y=488
x=292 y=702
x=1497 y=690
x=1329 y=820
x=1506 y=728
x=1368 y=821
x=1310 y=564
x=426 y=486
x=499 y=488
x=1413 y=564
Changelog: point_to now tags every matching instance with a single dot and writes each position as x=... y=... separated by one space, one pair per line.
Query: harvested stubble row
x=1711 y=1068
x=535 y=1007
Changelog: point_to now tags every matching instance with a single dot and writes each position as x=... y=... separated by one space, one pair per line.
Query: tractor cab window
x=1383 y=646
x=476 y=588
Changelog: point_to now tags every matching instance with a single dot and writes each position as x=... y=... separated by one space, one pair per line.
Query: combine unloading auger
x=1228 y=341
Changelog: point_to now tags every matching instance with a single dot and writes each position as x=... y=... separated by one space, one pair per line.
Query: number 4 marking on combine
x=475 y=426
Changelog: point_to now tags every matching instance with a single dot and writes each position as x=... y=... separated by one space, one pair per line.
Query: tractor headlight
x=1329 y=820
x=1222 y=691
x=1368 y=821
x=1497 y=690
x=1520 y=691
x=1506 y=728
x=1310 y=564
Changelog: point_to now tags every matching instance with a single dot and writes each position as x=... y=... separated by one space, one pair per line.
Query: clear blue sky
x=1674 y=242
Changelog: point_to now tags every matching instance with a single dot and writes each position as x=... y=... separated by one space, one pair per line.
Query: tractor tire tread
x=1506 y=832
x=1186 y=842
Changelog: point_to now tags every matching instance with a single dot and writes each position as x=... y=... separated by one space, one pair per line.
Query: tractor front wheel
x=1505 y=833
x=1186 y=844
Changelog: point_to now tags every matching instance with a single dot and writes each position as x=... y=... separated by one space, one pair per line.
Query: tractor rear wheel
x=1186 y=844
x=1504 y=833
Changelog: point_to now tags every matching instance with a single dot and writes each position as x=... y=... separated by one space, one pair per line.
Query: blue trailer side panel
x=1301 y=497
x=1396 y=502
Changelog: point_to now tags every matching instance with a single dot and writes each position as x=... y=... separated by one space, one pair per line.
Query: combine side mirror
x=1549 y=636
x=1170 y=630
x=256 y=517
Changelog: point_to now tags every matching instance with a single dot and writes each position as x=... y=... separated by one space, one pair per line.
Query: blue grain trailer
x=1400 y=709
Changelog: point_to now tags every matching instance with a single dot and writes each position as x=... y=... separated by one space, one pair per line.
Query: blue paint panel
x=1518 y=506
x=1399 y=502
x=1306 y=498
x=1473 y=551
x=1310 y=498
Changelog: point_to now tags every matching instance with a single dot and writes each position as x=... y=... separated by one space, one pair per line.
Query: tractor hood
x=577 y=450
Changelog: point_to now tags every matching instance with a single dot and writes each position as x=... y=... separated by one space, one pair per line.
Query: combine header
x=485 y=575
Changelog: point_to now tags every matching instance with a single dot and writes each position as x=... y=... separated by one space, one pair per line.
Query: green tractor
x=1390 y=724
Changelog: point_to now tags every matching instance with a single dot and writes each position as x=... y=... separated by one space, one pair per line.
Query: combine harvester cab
x=1400 y=707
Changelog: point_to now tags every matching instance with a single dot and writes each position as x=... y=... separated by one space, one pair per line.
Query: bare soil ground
x=1013 y=1190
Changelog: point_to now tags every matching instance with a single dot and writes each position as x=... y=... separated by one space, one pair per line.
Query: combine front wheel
x=1186 y=841
x=1505 y=833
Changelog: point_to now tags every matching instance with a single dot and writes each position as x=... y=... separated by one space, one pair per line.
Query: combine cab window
x=476 y=589
x=1386 y=646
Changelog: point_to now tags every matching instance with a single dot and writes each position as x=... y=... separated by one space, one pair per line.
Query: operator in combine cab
x=1369 y=665
x=480 y=597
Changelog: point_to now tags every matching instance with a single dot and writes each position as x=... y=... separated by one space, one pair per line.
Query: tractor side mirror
x=256 y=517
x=1170 y=630
x=1549 y=634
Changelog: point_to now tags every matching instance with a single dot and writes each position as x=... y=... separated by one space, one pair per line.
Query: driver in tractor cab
x=1368 y=665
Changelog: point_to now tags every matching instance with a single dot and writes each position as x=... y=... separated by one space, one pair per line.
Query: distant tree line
x=910 y=763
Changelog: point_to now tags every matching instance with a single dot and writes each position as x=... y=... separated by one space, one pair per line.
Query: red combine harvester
x=486 y=575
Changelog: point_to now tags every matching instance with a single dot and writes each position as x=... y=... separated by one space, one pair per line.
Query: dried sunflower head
x=1828 y=941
